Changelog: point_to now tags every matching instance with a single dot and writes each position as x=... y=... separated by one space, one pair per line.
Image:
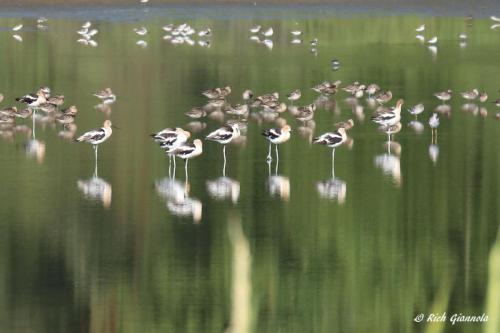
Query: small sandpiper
x=444 y=95
x=217 y=93
x=294 y=95
x=247 y=95
x=416 y=110
x=372 y=89
x=384 y=97
x=470 y=95
x=483 y=97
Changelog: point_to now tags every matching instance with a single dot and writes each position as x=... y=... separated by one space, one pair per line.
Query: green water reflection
x=413 y=231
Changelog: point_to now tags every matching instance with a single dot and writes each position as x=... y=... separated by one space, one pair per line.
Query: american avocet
x=470 y=95
x=33 y=100
x=384 y=97
x=97 y=136
x=276 y=136
x=225 y=135
x=388 y=117
x=444 y=95
x=172 y=137
x=188 y=151
x=332 y=140
x=416 y=110
x=434 y=124
x=169 y=140
x=294 y=95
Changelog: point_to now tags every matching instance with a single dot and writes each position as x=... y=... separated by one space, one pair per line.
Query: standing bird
x=276 y=136
x=225 y=135
x=170 y=139
x=434 y=124
x=384 y=97
x=188 y=151
x=33 y=100
x=294 y=95
x=444 y=96
x=416 y=110
x=332 y=140
x=97 y=136
x=389 y=117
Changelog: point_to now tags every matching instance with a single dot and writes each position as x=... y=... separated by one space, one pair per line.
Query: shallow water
x=396 y=233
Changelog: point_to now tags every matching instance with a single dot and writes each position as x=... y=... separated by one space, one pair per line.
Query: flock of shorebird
x=175 y=141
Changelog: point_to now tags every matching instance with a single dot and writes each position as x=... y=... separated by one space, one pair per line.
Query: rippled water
x=401 y=230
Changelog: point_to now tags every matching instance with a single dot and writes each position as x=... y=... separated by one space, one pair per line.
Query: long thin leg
x=333 y=163
x=169 y=166
x=33 y=126
x=268 y=167
x=276 y=168
x=269 y=157
x=224 y=167
x=186 y=168
x=95 y=168
x=277 y=155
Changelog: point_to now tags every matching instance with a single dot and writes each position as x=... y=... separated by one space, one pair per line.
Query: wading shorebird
x=294 y=95
x=434 y=124
x=416 y=110
x=187 y=152
x=170 y=139
x=104 y=94
x=33 y=100
x=470 y=95
x=276 y=136
x=389 y=117
x=384 y=97
x=332 y=140
x=97 y=136
x=444 y=96
x=225 y=135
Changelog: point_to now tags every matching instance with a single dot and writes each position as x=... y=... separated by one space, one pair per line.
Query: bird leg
x=224 y=167
x=269 y=157
x=333 y=163
x=277 y=156
x=186 y=168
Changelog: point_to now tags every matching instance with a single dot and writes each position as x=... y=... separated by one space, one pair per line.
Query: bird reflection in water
x=96 y=189
x=178 y=201
x=224 y=188
x=34 y=148
x=390 y=162
x=277 y=185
